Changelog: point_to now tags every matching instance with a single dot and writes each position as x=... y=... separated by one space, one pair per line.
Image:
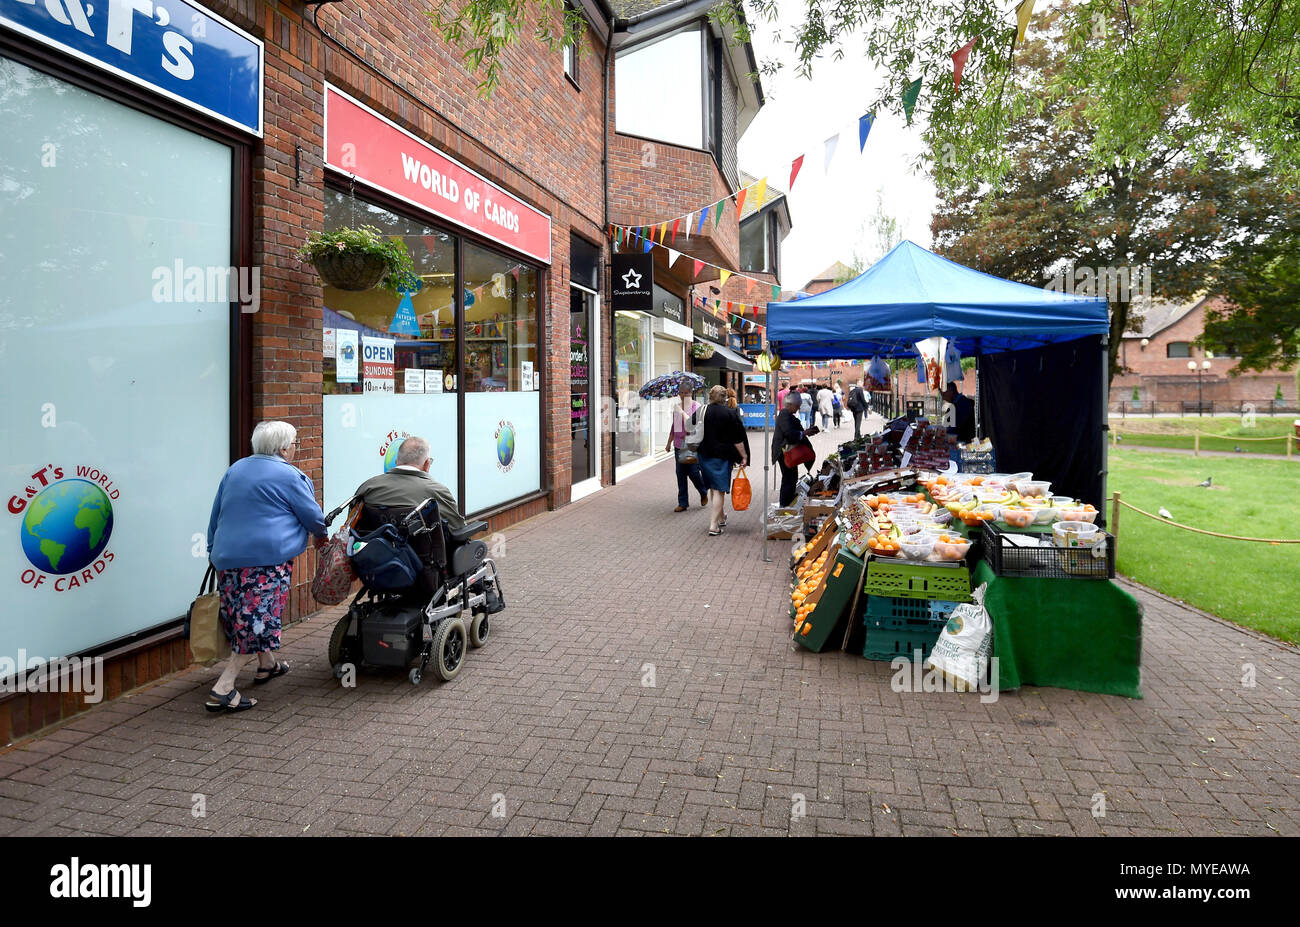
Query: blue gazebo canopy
x=912 y=294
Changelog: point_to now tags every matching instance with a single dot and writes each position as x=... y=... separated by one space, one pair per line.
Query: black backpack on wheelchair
x=418 y=577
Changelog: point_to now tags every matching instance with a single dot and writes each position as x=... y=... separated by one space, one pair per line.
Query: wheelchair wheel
x=479 y=630
x=449 y=648
x=341 y=650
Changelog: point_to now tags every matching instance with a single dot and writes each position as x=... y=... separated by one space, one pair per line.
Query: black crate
x=1053 y=562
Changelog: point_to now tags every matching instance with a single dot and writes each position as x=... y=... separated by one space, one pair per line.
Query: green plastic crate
x=894 y=612
x=895 y=579
x=887 y=643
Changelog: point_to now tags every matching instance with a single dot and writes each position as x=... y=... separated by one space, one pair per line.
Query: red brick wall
x=539 y=137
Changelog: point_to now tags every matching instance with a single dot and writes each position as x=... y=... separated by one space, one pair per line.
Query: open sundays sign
x=363 y=144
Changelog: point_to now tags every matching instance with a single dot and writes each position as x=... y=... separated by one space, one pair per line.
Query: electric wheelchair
x=410 y=626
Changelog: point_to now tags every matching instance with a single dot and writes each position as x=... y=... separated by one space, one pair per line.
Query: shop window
x=502 y=379
x=500 y=322
x=116 y=318
x=753 y=245
x=388 y=361
x=1178 y=349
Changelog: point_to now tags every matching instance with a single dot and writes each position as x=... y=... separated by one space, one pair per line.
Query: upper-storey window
x=659 y=89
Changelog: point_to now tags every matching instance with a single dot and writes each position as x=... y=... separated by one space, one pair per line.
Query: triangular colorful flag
x=618 y=236
x=910 y=95
x=864 y=129
x=760 y=193
x=675 y=221
x=722 y=277
x=959 y=62
x=673 y=256
x=830 y=150
x=718 y=217
x=740 y=201
x=699 y=266
x=663 y=230
x=776 y=291
x=1023 y=13
x=704 y=214
x=687 y=227
x=649 y=243
x=794 y=170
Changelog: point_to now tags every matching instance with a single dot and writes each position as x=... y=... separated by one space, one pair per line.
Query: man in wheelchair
x=423 y=570
x=447 y=550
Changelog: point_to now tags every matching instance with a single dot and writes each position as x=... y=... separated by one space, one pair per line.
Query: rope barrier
x=1215 y=534
x=1209 y=434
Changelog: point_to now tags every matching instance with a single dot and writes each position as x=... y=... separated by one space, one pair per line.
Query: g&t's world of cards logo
x=505 y=438
x=65 y=519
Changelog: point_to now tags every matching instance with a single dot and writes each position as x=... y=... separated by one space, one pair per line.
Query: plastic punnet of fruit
x=951 y=547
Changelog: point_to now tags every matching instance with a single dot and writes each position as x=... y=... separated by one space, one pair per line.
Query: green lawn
x=1256 y=585
x=1177 y=432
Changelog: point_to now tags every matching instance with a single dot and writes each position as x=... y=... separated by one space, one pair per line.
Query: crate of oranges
x=822 y=595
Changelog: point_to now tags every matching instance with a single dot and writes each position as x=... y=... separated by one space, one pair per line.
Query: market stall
x=894 y=542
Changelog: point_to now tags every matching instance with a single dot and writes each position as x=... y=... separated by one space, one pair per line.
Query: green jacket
x=411 y=487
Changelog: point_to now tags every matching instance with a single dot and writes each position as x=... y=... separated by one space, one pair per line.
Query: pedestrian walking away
x=722 y=449
x=262 y=516
x=788 y=432
x=685 y=410
x=857 y=403
x=825 y=405
x=806 y=406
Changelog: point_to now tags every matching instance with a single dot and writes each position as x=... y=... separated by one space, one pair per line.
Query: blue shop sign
x=174 y=47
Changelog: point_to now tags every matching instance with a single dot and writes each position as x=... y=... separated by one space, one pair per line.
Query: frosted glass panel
x=114 y=342
x=658 y=91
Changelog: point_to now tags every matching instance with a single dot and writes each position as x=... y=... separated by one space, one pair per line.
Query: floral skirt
x=252 y=599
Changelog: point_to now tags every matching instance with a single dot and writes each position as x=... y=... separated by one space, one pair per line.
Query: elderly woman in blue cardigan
x=263 y=514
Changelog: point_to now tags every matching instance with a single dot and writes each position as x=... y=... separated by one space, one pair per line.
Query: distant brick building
x=1154 y=358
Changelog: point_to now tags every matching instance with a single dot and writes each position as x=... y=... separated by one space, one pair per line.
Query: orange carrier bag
x=741 y=493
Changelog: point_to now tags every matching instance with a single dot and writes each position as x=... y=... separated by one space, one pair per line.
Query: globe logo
x=505 y=444
x=67 y=526
x=390 y=457
x=954 y=625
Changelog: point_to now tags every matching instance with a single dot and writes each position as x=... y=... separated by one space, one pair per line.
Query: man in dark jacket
x=788 y=432
x=963 y=413
x=857 y=403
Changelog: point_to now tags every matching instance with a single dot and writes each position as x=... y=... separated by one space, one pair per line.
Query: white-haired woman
x=263 y=513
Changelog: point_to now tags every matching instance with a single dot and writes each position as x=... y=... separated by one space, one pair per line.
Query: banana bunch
x=768 y=362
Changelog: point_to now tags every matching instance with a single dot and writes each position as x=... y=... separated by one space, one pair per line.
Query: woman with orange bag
x=722 y=449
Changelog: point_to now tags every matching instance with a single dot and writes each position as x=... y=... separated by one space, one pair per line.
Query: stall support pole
x=1114 y=516
x=1104 y=400
x=767 y=458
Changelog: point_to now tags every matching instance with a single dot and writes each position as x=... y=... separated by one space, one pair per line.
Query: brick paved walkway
x=551 y=721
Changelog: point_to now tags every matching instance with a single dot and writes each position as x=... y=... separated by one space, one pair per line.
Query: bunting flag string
x=698 y=266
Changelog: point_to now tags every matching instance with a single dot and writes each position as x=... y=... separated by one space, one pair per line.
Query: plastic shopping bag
x=952 y=372
x=877 y=376
x=741 y=491
x=962 y=652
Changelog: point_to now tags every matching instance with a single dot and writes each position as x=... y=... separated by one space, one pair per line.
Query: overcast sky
x=829 y=209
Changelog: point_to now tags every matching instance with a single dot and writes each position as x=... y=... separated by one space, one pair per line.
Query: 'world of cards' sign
x=174 y=47
x=363 y=144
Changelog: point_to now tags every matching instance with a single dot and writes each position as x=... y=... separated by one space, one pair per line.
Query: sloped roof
x=773 y=194
x=837 y=271
x=1160 y=315
x=626 y=9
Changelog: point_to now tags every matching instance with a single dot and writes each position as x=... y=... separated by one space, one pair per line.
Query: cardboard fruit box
x=833 y=598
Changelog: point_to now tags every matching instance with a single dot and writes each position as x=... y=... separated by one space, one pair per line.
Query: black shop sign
x=633 y=278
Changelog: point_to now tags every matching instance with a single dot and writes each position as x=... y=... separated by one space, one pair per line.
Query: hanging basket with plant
x=361 y=258
x=701 y=351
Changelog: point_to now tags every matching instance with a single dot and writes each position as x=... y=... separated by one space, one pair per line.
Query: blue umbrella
x=665 y=385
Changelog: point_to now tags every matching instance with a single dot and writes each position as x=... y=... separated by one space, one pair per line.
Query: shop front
x=651 y=339
x=714 y=360
x=125 y=148
x=455 y=361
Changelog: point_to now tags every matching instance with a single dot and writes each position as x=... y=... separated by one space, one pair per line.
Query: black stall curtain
x=1042 y=409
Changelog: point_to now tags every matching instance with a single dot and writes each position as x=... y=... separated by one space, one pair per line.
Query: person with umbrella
x=684 y=418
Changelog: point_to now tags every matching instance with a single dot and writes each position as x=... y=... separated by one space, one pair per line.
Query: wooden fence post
x=1114 y=515
x=1196 y=447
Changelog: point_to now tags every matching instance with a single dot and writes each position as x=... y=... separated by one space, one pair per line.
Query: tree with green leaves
x=1261 y=321
x=1162 y=225
x=482 y=29
x=1227 y=65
